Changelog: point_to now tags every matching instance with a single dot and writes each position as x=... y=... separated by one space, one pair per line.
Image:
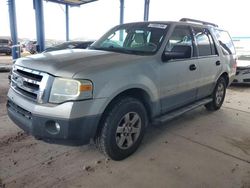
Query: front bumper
x=42 y=121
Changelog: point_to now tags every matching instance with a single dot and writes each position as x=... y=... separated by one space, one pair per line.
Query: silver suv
x=135 y=74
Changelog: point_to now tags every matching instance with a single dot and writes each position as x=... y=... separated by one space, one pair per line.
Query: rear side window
x=205 y=42
x=225 y=41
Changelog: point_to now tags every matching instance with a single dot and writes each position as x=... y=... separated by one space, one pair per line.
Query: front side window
x=140 y=39
x=205 y=42
x=180 y=43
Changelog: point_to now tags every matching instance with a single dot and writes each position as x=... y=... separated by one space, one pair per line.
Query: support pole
x=38 y=6
x=13 y=29
x=146 y=10
x=121 y=18
x=121 y=11
x=67 y=21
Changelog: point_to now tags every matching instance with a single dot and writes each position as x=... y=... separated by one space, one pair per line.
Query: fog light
x=52 y=127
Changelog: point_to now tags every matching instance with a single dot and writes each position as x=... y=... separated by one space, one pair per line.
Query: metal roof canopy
x=68 y=3
x=38 y=6
x=72 y=2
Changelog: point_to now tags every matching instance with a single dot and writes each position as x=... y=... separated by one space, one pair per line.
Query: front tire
x=218 y=95
x=123 y=128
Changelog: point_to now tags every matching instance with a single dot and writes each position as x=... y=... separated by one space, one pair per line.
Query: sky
x=92 y=20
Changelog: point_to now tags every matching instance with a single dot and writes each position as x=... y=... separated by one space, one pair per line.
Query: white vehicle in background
x=243 y=70
x=242 y=45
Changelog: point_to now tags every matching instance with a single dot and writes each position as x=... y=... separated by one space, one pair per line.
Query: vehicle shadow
x=154 y=132
x=239 y=85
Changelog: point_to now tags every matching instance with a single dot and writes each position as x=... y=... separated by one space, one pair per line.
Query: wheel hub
x=220 y=93
x=128 y=130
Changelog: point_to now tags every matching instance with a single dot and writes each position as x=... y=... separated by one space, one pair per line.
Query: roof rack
x=198 y=21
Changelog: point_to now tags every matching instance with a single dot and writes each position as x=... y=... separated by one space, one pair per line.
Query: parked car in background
x=31 y=47
x=5 y=46
x=243 y=70
x=70 y=45
x=242 y=45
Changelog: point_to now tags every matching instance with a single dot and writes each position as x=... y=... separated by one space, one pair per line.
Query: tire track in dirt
x=7 y=140
x=56 y=167
x=3 y=100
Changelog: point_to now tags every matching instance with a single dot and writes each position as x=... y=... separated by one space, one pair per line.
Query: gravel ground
x=198 y=149
x=3 y=92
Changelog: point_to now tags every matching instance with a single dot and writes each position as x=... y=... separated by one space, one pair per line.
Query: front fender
x=114 y=87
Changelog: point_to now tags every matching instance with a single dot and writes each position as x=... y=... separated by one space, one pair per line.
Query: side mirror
x=177 y=52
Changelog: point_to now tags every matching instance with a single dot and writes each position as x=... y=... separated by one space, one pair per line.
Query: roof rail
x=198 y=21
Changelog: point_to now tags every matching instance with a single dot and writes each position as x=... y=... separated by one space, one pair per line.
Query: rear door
x=179 y=77
x=209 y=61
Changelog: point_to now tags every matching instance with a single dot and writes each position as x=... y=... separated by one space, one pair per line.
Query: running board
x=171 y=115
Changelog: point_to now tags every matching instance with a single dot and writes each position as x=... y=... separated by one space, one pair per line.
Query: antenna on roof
x=198 y=21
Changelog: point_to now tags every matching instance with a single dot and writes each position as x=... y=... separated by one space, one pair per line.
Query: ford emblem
x=19 y=81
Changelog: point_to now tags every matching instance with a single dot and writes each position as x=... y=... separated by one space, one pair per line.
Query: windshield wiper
x=121 y=50
x=112 y=49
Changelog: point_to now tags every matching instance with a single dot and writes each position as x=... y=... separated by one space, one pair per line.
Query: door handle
x=192 y=67
x=217 y=63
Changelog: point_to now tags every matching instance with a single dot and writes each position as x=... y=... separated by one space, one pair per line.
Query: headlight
x=68 y=89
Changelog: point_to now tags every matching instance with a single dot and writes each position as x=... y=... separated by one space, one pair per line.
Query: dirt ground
x=199 y=149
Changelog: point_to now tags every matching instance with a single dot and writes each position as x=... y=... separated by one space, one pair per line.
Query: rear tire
x=123 y=128
x=218 y=95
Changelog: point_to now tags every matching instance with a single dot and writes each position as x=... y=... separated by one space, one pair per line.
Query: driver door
x=179 y=76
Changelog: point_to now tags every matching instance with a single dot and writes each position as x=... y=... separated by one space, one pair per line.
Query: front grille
x=243 y=70
x=29 y=83
x=19 y=110
x=30 y=75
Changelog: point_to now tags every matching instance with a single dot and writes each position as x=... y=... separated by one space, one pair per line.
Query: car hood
x=243 y=63
x=67 y=63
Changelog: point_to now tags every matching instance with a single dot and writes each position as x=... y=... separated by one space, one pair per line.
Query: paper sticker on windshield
x=160 y=26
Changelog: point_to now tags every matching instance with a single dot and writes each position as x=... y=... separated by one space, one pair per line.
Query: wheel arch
x=137 y=93
x=226 y=76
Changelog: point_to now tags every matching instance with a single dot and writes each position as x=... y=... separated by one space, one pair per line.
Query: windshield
x=139 y=38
